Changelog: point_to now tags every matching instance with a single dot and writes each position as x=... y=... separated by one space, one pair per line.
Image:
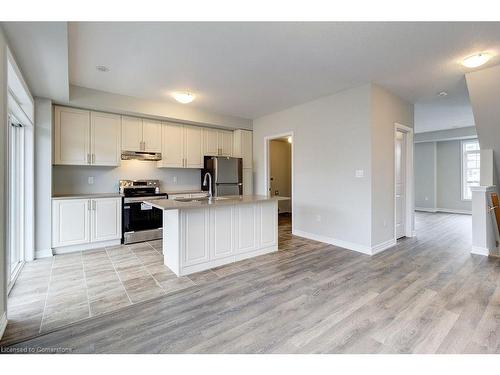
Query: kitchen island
x=199 y=234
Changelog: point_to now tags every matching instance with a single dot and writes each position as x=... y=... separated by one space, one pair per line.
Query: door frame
x=408 y=179
x=267 y=167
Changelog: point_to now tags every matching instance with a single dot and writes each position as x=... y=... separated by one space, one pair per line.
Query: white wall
x=387 y=109
x=331 y=141
x=103 y=101
x=281 y=171
x=425 y=175
x=3 y=170
x=74 y=179
x=43 y=177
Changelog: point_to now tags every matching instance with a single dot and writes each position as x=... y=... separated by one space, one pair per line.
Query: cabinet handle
x=88 y=158
x=90 y=205
x=93 y=205
x=93 y=158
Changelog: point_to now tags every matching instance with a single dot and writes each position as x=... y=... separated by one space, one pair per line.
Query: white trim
x=83 y=247
x=45 y=253
x=483 y=189
x=333 y=241
x=480 y=250
x=425 y=209
x=409 y=198
x=447 y=210
x=383 y=246
x=3 y=324
x=463 y=168
x=267 y=140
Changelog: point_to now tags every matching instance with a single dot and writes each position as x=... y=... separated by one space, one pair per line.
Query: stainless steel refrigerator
x=226 y=175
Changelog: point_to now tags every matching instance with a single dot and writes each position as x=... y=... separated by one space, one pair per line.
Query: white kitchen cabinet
x=106 y=223
x=131 y=134
x=71 y=136
x=86 y=138
x=141 y=134
x=85 y=222
x=70 y=222
x=246 y=228
x=181 y=146
x=242 y=147
x=151 y=135
x=193 y=145
x=222 y=231
x=105 y=139
x=247 y=181
x=217 y=142
x=196 y=237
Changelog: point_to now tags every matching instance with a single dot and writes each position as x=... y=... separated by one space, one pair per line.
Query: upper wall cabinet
x=181 y=146
x=243 y=147
x=86 y=138
x=217 y=142
x=141 y=135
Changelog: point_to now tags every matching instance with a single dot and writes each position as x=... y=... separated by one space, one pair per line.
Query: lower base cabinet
x=88 y=222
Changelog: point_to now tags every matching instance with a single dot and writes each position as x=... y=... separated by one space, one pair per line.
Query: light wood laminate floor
x=425 y=295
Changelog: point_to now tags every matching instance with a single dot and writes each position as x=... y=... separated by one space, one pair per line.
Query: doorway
x=403 y=181
x=279 y=174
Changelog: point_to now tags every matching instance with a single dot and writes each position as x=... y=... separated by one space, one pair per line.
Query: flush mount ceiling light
x=443 y=93
x=476 y=60
x=102 y=68
x=183 y=97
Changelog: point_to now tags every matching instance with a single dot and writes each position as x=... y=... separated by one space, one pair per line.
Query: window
x=470 y=167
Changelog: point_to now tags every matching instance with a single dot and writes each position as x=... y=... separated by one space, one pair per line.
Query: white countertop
x=170 y=204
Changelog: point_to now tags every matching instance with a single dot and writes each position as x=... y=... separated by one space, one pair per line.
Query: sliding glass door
x=16 y=198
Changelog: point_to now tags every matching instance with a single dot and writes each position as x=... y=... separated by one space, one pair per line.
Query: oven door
x=138 y=216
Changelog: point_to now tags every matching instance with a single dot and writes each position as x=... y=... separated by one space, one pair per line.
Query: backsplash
x=69 y=179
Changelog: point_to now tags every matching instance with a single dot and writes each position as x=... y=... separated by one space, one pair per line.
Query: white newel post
x=483 y=226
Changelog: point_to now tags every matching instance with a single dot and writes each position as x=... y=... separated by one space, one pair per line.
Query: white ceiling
x=252 y=69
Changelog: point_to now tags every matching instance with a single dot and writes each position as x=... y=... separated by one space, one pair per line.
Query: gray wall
x=446 y=135
x=74 y=179
x=43 y=177
x=449 y=175
x=439 y=162
x=3 y=131
x=425 y=175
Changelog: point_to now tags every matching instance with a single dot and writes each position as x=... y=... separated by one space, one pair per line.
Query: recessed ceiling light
x=476 y=60
x=183 y=97
x=102 y=68
x=443 y=93
x=289 y=139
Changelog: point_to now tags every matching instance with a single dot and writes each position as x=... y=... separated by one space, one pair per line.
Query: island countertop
x=170 y=204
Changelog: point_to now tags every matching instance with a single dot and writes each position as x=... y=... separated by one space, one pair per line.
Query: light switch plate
x=90 y=180
x=360 y=173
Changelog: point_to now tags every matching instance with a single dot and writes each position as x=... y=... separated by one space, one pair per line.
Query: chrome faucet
x=210 y=184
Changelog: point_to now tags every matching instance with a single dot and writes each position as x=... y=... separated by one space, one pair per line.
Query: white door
x=131 y=133
x=400 y=187
x=225 y=141
x=105 y=141
x=151 y=135
x=172 y=146
x=70 y=222
x=72 y=136
x=106 y=219
x=210 y=146
x=193 y=147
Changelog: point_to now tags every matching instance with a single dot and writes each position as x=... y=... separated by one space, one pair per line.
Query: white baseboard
x=45 y=253
x=480 y=251
x=88 y=246
x=3 y=324
x=383 y=246
x=446 y=210
x=333 y=241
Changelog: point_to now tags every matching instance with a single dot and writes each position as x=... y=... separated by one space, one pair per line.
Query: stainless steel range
x=140 y=221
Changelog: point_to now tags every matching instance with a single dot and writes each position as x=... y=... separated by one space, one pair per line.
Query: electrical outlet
x=385 y=223
x=90 y=180
x=360 y=173
x=426 y=198
x=318 y=218
x=174 y=179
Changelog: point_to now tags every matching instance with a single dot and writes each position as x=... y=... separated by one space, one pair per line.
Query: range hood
x=141 y=155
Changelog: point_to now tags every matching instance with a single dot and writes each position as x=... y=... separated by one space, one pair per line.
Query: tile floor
x=53 y=292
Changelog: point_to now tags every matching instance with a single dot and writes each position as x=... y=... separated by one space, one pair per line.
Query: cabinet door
x=225 y=142
x=70 y=222
x=247 y=149
x=195 y=241
x=131 y=133
x=193 y=147
x=172 y=146
x=105 y=140
x=106 y=219
x=246 y=228
x=151 y=135
x=247 y=181
x=72 y=136
x=210 y=145
x=268 y=223
x=222 y=231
